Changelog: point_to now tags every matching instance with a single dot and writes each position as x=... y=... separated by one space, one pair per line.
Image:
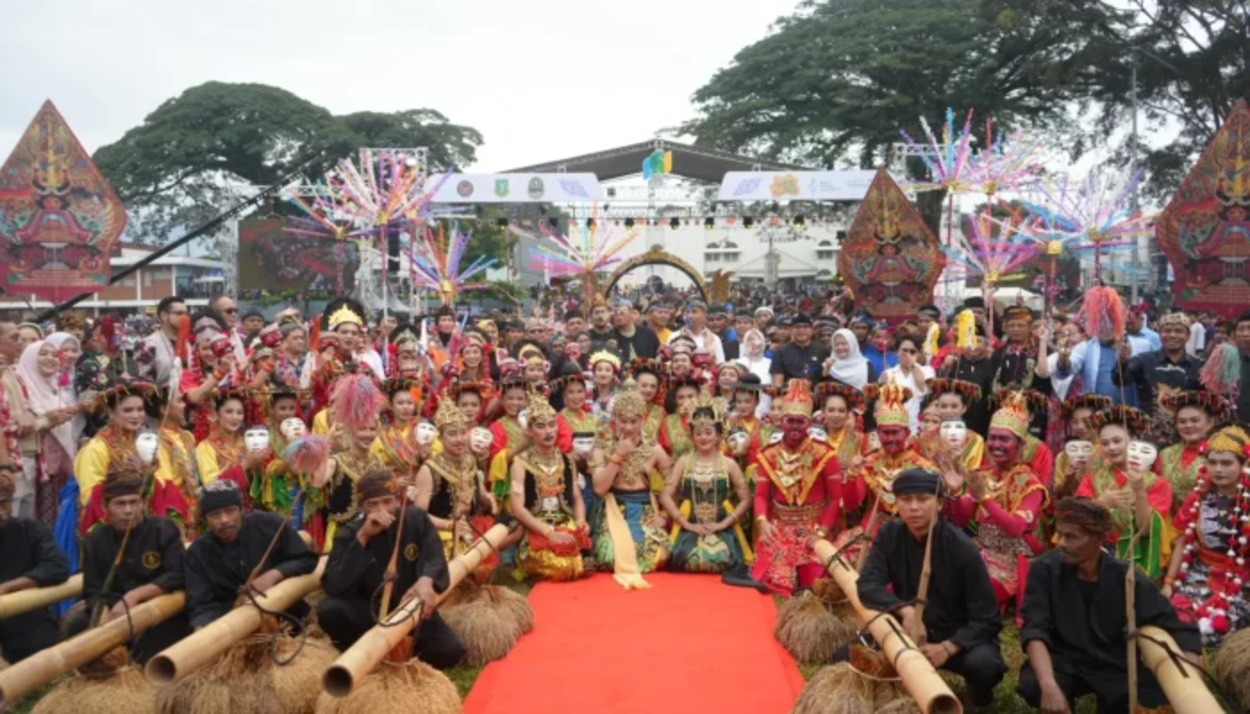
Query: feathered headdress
x=968 y=391
x=854 y=398
x=1222 y=372
x=1090 y=401
x=1214 y=404
x=1013 y=415
x=965 y=329
x=1135 y=420
x=307 y=456
x=798 y=398
x=1104 y=312
x=355 y=402
x=891 y=408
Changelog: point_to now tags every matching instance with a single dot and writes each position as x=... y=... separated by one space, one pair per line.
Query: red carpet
x=689 y=644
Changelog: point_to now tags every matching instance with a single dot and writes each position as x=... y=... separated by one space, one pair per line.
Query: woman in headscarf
x=38 y=370
x=69 y=350
x=846 y=365
x=752 y=357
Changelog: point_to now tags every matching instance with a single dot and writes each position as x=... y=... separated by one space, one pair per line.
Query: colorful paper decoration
x=890 y=258
x=1205 y=229
x=59 y=218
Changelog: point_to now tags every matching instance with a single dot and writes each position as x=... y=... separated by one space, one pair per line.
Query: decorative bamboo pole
x=24 y=601
x=1184 y=686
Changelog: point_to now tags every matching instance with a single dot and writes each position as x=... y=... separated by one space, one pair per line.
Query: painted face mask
x=146 y=444
x=480 y=438
x=954 y=433
x=293 y=429
x=737 y=439
x=583 y=442
x=1142 y=455
x=523 y=418
x=818 y=433
x=256 y=439
x=1079 y=451
x=426 y=433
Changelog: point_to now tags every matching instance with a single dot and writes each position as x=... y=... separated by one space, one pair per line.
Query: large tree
x=837 y=80
x=200 y=152
x=1193 y=63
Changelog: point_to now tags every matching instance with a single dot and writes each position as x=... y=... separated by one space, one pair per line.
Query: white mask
x=583 y=442
x=954 y=433
x=426 y=433
x=523 y=418
x=1142 y=455
x=256 y=439
x=293 y=429
x=776 y=438
x=1079 y=451
x=146 y=444
x=818 y=433
x=480 y=438
x=738 y=439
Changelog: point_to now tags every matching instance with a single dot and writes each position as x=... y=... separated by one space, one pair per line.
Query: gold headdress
x=891 y=409
x=798 y=399
x=1232 y=439
x=343 y=311
x=539 y=408
x=449 y=416
x=605 y=356
x=629 y=402
x=706 y=411
x=1013 y=415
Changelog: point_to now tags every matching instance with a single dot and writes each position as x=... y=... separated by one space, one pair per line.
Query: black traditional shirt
x=154 y=555
x=355 y=572
x=27 y=549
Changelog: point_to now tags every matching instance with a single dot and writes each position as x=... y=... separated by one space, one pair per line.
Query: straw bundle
x=411 y=687
x=488 y=619
x=110 y=686
x=809 y=631
x=247 y=679
x=863 y=684
x=1231 y=667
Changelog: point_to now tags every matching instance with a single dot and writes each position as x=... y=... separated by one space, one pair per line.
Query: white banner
x=795 y=185
x=518 y=188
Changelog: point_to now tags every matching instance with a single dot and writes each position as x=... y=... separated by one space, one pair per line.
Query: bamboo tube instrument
x=919 y=677
x=201 y=647
x=37 y=670
x=24 y=601
x=360 y=659
x=1186 y=690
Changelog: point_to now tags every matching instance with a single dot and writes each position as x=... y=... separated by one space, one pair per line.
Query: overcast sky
x=541 y=80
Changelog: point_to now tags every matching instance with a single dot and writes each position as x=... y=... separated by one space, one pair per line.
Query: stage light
x=629 y=223
x=674 y=224
x=709 y=223
x=748 y=222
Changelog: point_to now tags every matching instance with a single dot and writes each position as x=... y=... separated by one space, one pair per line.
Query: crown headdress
x=605 y=356
x=449 y=416
x=1232 y=439
x=891 y=409
x=798 y=398
x=1013 y=415
x=539 y=408
x=629 y=402
x=707 y=411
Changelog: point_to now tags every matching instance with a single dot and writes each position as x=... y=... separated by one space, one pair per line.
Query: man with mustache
x=958 y=630
x=219 y=562
x=1006 y=500
x=1075 y=623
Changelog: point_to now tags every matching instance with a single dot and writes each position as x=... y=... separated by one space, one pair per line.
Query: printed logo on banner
x=535 y=188
x=573 y=188
x=465 y=189
x=747 y=187
x=787 y=185
x=502 y=187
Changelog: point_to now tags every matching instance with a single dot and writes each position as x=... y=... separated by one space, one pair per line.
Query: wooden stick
x=389 y=588
x=872 y=521
x=46 y=665
x=922 y=591
x=920 y=679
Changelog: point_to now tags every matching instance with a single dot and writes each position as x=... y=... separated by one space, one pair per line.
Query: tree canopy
x=836 y=81
x=197 y=152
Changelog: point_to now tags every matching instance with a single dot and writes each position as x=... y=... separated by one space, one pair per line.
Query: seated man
x=961 y=621
x=219 y=563
x=151 y=566
x=29 y=558
x=357 y=568
x=1074 y=619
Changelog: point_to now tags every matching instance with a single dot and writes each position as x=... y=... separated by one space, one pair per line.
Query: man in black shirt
x=29 y=558
x=151 y=566
x=600 y=322
x=633 y=340
x=961 y=621
x=357 y=568
x=1074 y=619
x=801 y=358
x=1170 y=369
x=219 y=562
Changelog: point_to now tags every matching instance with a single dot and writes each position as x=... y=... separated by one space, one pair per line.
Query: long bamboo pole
x=201 y=647
x=1184 y=686
x=24 y=601
x=919 y=677
x=360 y=659
x=42 y=667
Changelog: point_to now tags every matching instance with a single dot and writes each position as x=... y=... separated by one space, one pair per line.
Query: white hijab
x=853 y=370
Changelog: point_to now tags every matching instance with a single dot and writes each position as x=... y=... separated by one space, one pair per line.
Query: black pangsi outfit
x=216 y=570
x=28 y=549
x=154 y=556
x=354 y=575
x=961 y=605
x=1083 y=623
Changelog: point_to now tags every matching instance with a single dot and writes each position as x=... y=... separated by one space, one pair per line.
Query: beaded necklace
x=1213 y=613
